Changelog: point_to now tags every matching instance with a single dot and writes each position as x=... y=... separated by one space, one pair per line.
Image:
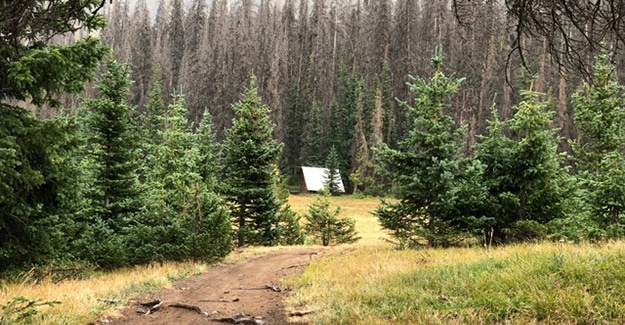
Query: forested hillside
x=331 y=70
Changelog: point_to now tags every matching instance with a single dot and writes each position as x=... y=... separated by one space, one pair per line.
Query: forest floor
x=247 y=291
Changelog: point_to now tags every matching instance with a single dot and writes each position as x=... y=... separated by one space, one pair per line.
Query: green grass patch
x=525 y=284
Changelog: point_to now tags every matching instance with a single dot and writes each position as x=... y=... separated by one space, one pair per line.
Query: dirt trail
x=225 y=290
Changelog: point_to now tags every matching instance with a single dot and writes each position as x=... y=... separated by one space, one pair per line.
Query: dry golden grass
x=79 y=298
x=359 y=209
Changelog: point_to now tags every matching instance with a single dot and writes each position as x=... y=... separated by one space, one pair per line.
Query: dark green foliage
x=290 y=160
x=291 y=232
x=32 y=69
x=342 y=122
x=250 y=155
x=333 y=174
x=113 y=150
x=39 y=186
x=323 y=224
x=600 y=118
x=186 y=219
x=152 y=119
x=209 y=164
x=428 y=169
x=313 y=151
x=523 y=174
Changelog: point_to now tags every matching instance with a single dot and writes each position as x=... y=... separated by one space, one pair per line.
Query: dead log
x=196 y=309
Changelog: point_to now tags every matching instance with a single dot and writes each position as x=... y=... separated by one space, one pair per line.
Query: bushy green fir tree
x=324 y=226
x=250 y=155
x=113 y=149
x=115 y=196
x=524 y=176
x=40 y=187
x=187 y=220
x=152 y=122
x=428 y=169
x=600 y=118
x=290 y=160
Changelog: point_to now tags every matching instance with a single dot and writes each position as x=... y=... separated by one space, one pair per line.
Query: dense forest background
x=331 y=70
x=202 y=113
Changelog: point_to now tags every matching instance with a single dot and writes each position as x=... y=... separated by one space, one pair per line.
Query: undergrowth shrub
x=323 y=225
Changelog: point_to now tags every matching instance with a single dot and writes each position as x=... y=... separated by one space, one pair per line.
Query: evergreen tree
x=152 y=124
x=33 y=69
x=523 y=176
x=209 y=165
x=40 y=187
x=323 y=224
x=427 y=168
x=313 y=152
x=113 y=149
x=333 y=175
x=250 y=155
x=600 y=117
x=290 y=160
x=188 y=220
x=115 y=197
x=39 y=183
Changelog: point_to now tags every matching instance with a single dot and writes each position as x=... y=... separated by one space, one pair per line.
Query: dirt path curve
x=225 y=290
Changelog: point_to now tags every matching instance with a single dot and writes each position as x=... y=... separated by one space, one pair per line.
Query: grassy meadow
x=370 y=282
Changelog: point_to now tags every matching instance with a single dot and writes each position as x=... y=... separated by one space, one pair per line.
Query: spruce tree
x=40 y=187
x=113 y=149
x=250 y=155
x=209 y=164
x=313 y=151
x=115 y=197
x=38 y=176
x=523 y=173
x=187 y=219
x=290 y=160
x=427 y=168
x=323 y=224
x=600 y=118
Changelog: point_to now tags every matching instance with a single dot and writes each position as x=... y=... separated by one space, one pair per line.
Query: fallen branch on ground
x=267 y=286
x=300 y=313
x=196 y=309
x=219 y=300
x=151 y=306
x=240 y=318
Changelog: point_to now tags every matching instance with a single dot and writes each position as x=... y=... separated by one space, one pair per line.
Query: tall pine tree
x=600 y=117
x=427 y=168
x=250 y=155
x=113 y=149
